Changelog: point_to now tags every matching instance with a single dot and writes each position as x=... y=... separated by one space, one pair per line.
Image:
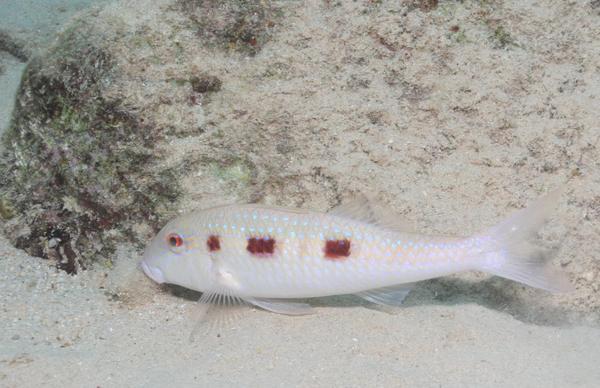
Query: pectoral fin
x=217 y=310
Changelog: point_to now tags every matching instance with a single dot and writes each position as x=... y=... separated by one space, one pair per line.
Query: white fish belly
x=301 y=265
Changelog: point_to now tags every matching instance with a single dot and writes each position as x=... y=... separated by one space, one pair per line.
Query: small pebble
x=589 y=276
x=53 y=242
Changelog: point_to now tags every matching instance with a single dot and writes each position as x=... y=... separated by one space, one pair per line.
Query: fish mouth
x=153 y=273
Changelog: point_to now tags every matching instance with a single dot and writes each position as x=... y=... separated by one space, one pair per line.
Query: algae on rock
x=233 y=24
x=78 y=166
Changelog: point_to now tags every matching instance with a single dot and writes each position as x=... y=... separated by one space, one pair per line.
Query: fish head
x=176 y=255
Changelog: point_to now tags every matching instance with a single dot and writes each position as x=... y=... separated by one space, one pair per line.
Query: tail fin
x=512 y=255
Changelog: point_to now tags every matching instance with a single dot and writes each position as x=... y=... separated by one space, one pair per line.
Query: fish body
x=258 y=253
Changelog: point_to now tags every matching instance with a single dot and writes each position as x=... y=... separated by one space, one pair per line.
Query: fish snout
x=153 y=273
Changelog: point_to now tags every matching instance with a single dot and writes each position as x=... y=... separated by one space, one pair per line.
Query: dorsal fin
x=358 y=208
x=362 y=209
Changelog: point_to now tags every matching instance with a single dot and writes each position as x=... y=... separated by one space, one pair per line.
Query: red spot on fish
x=337 y=249
x=261 y=245
x=213 y=243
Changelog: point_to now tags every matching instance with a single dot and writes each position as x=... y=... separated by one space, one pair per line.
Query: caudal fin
x=510 y=253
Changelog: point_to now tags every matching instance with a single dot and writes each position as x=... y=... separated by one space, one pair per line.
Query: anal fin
x=281 y=306
x=387 y=296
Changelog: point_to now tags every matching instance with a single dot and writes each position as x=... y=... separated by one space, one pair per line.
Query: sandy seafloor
x=59 y=330
x=113 y=328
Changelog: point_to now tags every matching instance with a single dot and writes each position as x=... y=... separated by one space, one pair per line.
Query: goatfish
x=268 y=256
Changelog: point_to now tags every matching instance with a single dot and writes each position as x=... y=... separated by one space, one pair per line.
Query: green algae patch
x=6 y=210
x=502 y=38
x=235 y=173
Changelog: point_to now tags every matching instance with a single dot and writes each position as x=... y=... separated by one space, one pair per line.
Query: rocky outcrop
x=78 y=165
x=84 y=160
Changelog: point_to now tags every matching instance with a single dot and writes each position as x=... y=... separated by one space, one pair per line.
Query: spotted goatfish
x=267 y=256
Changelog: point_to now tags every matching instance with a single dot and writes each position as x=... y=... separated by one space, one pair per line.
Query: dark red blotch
x=213 y=243
x=337 y=249
x=261 y=245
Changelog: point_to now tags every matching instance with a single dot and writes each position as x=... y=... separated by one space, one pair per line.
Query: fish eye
x=174 y=240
